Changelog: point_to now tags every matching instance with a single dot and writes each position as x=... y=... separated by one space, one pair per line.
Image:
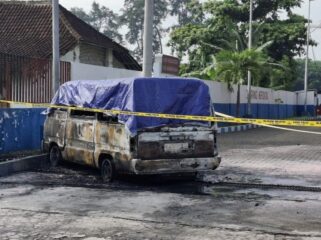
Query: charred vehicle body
x=131 y=144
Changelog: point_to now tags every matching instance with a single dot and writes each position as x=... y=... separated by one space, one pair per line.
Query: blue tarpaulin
x=183 y=96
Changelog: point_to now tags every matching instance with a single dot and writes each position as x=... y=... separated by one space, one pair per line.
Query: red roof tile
x=25 y=30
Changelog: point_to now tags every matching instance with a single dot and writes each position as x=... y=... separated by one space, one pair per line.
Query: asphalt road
x=268 y=187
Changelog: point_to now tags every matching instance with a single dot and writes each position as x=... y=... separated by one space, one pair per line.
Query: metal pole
x=148 y=38
x=306 y=72
x=55 y=47
x=249 y=75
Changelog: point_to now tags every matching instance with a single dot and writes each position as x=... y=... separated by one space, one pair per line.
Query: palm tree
x=232 y=67
x=233 y=60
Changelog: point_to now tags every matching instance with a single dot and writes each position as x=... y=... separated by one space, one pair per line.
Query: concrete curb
x=240 y=128
x=23 y=164
x=236 y=128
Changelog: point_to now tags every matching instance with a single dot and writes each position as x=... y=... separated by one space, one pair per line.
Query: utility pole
x=306 y=72
x=249 y=74
x=148 y=38
x=55 y=47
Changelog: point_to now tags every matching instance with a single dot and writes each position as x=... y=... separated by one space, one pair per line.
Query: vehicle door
x=80 y=133
x=112 y=139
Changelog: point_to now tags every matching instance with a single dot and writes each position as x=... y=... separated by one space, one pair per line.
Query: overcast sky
x=116 y=5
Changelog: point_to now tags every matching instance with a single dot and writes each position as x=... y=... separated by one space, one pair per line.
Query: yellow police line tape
x=274 y=127
x=229 y=119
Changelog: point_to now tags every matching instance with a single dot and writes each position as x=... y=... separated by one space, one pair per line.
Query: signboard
x=259 y=95
x=170 y=65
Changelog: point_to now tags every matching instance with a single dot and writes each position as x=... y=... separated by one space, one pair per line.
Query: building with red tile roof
x=26 y=30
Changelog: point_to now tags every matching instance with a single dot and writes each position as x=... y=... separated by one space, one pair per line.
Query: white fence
x=221 y=94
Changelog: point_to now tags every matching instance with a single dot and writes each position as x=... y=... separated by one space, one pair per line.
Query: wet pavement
x=268 y=187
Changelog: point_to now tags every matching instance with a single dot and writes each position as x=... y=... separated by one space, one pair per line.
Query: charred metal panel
x=112 y=139
x=174 y=165
x=176 y=143
x=80 y=140
x=55 y=128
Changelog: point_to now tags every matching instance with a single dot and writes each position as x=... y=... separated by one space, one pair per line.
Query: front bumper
x=164 y=166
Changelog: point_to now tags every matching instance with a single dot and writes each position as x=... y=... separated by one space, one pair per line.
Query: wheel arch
x=51 y=144
x=103 y=156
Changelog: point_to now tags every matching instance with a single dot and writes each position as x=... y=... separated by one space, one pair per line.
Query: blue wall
x=268 y=111
x=20 y=129
x=311 y=110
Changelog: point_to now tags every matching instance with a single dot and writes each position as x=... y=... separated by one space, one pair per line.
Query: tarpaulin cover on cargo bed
x=152 y=95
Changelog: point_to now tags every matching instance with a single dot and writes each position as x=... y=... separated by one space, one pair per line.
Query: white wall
x=220 y=94
x=312 y=99
x=72 y=56
x=80 y=71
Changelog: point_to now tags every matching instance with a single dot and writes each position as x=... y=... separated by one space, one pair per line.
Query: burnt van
x=131 y=144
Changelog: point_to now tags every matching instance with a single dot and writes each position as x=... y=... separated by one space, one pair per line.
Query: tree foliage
x=186 y=11
x=133 y=18
x=204 y=28
x=102 y=19
x=232 y=67
x=287 y=33
x=314 y=75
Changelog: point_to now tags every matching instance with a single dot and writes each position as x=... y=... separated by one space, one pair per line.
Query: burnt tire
x=54 y=156
x=107 y=170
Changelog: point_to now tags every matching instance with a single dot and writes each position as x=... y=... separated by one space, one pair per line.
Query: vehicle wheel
x=54 y=156
x=108 y=171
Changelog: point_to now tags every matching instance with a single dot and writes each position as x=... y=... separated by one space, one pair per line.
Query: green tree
x=133 y=18
x=232 y=67
x=102 y=19
x=280 y=78
x=286 y=33
x=186 y=11
x=314 y=75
